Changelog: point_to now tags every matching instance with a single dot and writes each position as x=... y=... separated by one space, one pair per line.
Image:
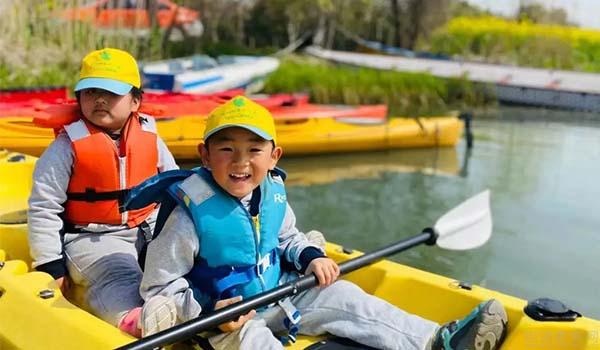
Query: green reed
x=405 y=93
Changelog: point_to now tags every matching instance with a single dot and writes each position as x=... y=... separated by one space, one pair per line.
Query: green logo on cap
x=105 y=55
x=239 y=102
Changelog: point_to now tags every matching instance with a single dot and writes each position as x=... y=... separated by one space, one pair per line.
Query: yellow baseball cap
x=109 y=69
x=242 y=112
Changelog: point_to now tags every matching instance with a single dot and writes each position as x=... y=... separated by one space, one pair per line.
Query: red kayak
x=46 y=94
x=25 y=102
x=29 y=103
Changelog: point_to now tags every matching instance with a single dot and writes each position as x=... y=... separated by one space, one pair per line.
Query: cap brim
x=114 y=86
x=253 y=129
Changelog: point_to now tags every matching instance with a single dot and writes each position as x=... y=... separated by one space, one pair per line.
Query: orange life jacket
x=102 y=175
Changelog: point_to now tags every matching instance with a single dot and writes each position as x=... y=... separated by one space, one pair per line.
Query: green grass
x=404 y=93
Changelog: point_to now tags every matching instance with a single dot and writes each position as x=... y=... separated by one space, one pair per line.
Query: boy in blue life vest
x=232 y=230
x=77 y=233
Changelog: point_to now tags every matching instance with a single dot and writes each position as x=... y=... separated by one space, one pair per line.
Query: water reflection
x=331 y=168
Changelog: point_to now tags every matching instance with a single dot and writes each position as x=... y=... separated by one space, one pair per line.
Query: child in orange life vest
x=230 y=232
x=75 y=226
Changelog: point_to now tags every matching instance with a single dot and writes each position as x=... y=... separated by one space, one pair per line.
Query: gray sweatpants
x=342 y=309
x=106 y=265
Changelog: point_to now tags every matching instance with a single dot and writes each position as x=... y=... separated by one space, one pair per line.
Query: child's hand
x=63 y=284
x=326 y=270
x=233 y=325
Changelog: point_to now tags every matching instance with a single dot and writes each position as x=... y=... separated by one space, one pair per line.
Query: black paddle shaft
x=232 y=312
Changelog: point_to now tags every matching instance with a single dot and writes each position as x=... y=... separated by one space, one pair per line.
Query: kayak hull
x=297 y=137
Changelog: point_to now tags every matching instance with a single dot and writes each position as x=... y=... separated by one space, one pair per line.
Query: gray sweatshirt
x=171 y=256
x=49 y=191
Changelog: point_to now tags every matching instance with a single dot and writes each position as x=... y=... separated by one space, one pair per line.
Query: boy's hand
x=63 y=284
x=326 y=270
x=233 y=325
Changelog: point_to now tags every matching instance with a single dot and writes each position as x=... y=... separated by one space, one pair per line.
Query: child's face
x=107 y=110
x=239 y=159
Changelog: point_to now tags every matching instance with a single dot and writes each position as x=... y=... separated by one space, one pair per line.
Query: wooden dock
x=518 y=85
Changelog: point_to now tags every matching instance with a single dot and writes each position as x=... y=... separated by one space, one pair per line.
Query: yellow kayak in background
x=35 y=315
x=296 y=136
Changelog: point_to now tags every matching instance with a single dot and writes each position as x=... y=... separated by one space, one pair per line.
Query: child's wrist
x=308 y=255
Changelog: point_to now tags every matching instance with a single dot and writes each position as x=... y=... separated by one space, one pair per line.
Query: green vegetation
x=522 y=43
x=405 y=93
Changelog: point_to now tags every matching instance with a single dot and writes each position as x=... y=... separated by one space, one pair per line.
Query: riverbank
x=406 y=94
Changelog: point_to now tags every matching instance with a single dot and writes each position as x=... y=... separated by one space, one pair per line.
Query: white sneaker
x=158 y=314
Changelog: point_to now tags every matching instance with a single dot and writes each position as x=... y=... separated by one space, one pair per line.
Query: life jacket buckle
x=263 y=265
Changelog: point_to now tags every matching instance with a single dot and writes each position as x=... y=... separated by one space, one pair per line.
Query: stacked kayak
x=327 y=135
x=23 y=101
x=203 y=74
x=296 y=136
x=173 y=105
x=48 y=94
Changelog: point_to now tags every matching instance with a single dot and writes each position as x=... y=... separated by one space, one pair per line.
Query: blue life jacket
x=238 y=252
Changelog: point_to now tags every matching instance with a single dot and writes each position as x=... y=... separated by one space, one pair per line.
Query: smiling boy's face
x=107 y=110
x=239 y=159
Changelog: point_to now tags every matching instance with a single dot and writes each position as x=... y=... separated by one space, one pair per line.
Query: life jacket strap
x=245 y=274
x=90 y=195
x=291 y=322
x=226 y=278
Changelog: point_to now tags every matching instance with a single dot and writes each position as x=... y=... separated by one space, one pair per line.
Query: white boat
x=203 y=74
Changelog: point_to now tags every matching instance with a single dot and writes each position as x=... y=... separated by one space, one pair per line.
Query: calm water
x=544 y=181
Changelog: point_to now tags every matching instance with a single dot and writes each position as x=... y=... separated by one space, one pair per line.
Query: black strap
x=90 y=195
x=255 y=201
x=203 y=342
x=166 y=207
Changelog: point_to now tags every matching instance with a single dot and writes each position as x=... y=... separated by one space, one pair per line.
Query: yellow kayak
x=16 y=172
x=297 y=136
x=15 y=183
x=35 y=315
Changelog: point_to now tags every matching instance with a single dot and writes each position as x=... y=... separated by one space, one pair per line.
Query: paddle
x=467 y=226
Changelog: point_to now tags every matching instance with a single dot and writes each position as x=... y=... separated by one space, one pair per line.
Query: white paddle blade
x=467 y=226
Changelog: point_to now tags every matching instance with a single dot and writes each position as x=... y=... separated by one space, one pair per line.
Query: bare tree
x=396 y=13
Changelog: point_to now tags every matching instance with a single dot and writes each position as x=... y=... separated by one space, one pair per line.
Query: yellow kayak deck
x=297 y=137
x=30 y=321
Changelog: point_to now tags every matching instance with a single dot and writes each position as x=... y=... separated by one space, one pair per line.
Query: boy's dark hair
x=135 y=92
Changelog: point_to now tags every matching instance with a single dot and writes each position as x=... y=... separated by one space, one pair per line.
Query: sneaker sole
x=492 y=328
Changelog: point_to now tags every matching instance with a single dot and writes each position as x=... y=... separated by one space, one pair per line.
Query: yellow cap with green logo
x=242 y=112
x=109 y=69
